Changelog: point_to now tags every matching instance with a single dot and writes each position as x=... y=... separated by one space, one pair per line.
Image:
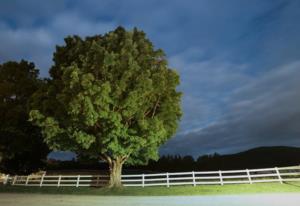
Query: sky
x=238 y=60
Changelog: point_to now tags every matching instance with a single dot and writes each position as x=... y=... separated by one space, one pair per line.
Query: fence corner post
x=278 y=174
x=221 y=179
x=42 y=179
x=249 y=176
x=59 y=179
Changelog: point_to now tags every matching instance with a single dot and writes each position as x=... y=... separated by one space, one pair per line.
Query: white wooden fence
x=247 y=176
x=60 y=180
x=214 y=177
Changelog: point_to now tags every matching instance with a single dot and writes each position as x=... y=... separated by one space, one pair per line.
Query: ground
x=263 y=194
x=288 y=199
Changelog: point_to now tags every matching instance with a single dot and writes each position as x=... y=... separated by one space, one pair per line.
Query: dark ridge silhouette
x=254 y=158
x=261 y=157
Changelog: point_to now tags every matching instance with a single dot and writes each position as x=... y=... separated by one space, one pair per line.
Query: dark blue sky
x=239 y=60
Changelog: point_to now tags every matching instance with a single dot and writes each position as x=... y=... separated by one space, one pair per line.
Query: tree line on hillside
x=263 y=157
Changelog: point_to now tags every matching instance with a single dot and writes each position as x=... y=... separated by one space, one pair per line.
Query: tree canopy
x=112 y=96
x=19 y=139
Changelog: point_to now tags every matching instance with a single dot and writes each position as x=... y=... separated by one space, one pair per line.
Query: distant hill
x=261 y=157
x=254 y=158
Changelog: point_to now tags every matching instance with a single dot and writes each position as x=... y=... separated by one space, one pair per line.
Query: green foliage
x=18 y=137
x=111 y=95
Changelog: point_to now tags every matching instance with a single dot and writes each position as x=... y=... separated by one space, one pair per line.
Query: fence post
x=15 y=179
x=97 y=181
x=194 y=180
x=42 y=180
x=221 y=179
x=249 y=176
x=78 y=179
x=27 y=179
x=168 y=183
x=143 y=180
x=278 y=174
x=59 y=179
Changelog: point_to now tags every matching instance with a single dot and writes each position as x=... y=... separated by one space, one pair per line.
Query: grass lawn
x=161 y=191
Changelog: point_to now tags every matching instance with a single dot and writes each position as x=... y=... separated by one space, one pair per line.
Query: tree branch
x=155 y=107
x=124 y=158
x=106 y=158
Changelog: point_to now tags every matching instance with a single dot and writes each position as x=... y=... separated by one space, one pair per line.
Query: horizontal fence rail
x=247 y=176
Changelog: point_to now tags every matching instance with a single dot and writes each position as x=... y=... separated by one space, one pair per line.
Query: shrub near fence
x=247 y=176
x=4 y=179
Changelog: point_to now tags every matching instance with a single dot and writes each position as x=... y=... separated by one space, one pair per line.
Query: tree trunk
x=115 y=169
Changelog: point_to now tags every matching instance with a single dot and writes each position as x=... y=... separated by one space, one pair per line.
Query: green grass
x=161 y=191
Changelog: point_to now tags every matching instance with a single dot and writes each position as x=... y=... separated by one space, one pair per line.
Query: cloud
x=37 y=43
x=264 y=112
x=29 y=44
x=206 y=83
x=235 y=59
x=68 y=23
x=175 y=27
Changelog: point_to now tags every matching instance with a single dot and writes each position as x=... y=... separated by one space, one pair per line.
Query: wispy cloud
x=263 y=112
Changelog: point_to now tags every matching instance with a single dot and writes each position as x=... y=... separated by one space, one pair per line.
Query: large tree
x=19 y=139
x=112 y=97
